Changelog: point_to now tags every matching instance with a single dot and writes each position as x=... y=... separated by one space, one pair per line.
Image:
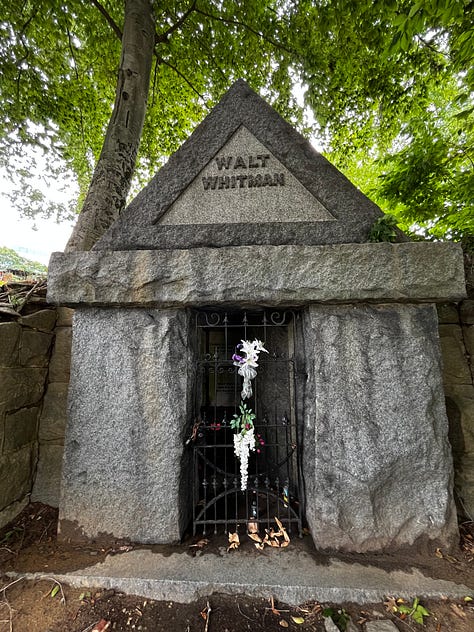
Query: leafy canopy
x=388 y=85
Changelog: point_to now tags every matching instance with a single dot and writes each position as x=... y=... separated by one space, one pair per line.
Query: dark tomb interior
x=274 y=481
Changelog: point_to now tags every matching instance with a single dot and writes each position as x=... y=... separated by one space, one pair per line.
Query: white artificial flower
x=248 y=364
x=243 y=443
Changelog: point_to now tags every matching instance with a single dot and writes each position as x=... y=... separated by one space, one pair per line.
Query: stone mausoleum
x=247 y=232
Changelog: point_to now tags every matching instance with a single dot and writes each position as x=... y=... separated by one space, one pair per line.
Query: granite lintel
x=287 y=275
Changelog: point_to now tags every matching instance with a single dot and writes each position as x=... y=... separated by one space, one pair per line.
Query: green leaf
x=415 y=8
x=55 y=590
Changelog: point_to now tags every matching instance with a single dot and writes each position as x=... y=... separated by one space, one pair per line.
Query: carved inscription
x=231 y=176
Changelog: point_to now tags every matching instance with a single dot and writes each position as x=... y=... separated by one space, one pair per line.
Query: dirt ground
x=29 y=544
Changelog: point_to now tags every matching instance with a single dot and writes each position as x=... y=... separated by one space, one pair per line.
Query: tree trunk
x=113 y=173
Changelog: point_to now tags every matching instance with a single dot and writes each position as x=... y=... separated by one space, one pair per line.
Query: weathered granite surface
x=226 y=190
x=139 y=225
x=376 y=460
x=385 y=625
x=265 y=275
x=130 y=392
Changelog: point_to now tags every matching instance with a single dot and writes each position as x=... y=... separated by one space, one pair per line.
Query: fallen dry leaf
x=390 y=605
x=255 y=537
x=283 y=623
x=439 y=554
x=199 y=545
x=234 y=541
x=101 y=626
x=458 y=611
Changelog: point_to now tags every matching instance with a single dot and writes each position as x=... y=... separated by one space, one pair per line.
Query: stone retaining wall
x=25 y=347
x=457 y=343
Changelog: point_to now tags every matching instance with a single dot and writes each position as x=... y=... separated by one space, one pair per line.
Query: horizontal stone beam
x=259 y=275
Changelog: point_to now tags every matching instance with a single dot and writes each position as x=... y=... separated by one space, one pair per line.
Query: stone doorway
x=274 y=475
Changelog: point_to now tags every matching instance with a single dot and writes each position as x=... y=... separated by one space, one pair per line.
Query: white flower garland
x=244 y=439
x=243 y=443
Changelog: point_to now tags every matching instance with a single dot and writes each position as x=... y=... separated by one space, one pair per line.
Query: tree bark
x=113 y=173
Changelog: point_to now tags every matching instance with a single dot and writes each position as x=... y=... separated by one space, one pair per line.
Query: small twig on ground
x=63 y=596
x=7 y=603
x=25 y=300
x=272 y=607
x=243 y=614
x=405 y=622
x=45 y=531
x=208 y=616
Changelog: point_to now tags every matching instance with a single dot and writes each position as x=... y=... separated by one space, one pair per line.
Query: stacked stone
x=457 y=344
x=24 y=357
x=54 y=414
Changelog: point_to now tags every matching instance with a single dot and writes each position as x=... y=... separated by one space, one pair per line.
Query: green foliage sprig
x=243 y=422
x=416 y=611
x=383 y=229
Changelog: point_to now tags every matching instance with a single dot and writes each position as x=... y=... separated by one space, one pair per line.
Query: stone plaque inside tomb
x=247 y=216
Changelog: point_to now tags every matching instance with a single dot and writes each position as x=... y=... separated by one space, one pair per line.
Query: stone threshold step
x=292 y=577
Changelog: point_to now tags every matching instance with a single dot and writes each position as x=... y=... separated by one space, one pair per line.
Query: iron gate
x=273 y=487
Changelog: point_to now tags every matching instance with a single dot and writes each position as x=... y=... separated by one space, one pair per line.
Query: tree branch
x=165 y=36
x=249 y=28
x=116 y=29
x=71 y=49
x=155 y=72
x=430 y=46
x=178 y=72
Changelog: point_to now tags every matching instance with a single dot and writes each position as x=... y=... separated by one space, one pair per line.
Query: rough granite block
x=126 y=470
x=259 y=275
x=376 y=460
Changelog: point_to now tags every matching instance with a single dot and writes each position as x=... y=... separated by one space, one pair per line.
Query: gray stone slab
x=47 y=481
x=16 y=474
x=20 y=428
x=126 y=471
x=292 y=577
x=45 y=319
x=21 y=387
x=467 y=312
x=263 y=275
x=448 y=314
x=35 y=347
x=380 y=626
x=60 y=363
x=468 y=334
x=65 y=316
x=9 y=344
x=138 y=226
x=54 y=413
x=455 y=360
x=376 y=459
x=330 y=626
x=186 y=236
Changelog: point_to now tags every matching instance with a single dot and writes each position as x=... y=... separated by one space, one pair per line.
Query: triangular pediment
x=245 y=183
x=244 y=176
